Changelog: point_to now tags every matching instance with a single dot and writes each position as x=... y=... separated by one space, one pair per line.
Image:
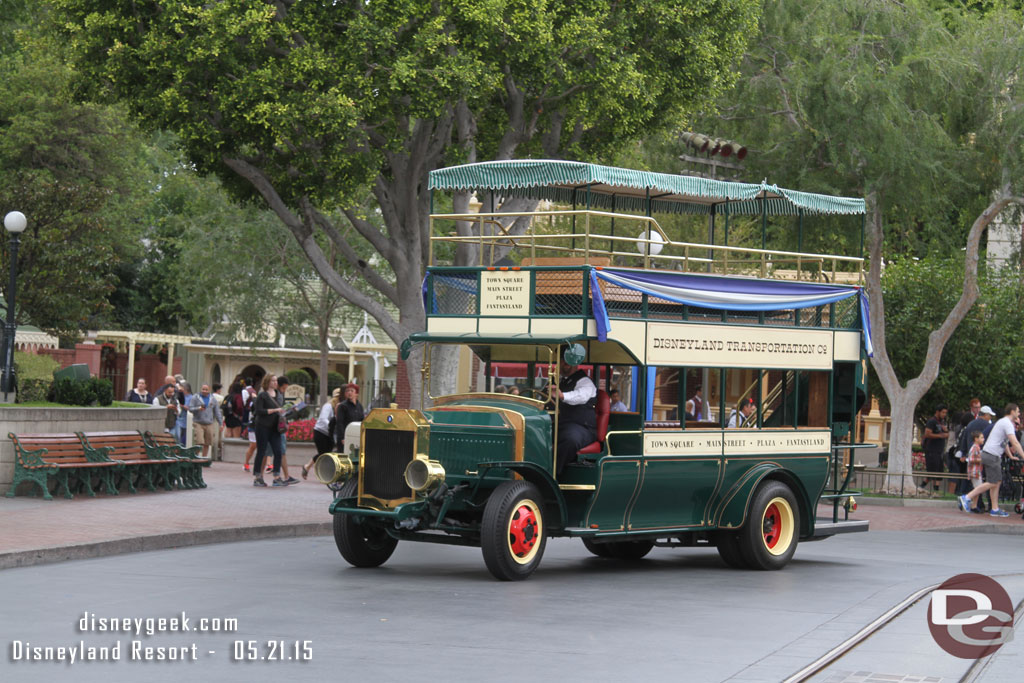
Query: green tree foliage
x=69 y=168
x=983 y=358
x=307 y=104
x=916 y=108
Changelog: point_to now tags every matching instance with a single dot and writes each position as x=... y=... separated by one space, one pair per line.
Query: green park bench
x=143 y=466
x=164 y=444
x=61 y=457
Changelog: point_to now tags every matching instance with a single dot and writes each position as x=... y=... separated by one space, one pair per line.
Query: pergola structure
x=128 y=340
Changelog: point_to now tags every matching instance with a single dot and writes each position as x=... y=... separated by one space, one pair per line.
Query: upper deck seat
x=603 y=410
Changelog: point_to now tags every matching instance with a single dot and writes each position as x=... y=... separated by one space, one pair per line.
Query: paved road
x=435 y=612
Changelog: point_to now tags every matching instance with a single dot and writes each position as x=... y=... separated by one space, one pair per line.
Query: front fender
x=553 y=499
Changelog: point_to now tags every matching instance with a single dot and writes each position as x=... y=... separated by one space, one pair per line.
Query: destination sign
x=505 y=293
x=736 y=442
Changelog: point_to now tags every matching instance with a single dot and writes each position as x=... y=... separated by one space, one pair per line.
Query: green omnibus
x=739 y=370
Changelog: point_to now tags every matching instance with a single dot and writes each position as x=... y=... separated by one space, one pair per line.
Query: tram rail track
x=973 y=673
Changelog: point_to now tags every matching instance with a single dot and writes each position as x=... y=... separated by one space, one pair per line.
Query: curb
x=82 y=551
x=906 y=502
x=998 y=529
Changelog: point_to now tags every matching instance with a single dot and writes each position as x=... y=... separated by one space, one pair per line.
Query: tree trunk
x=898 y=479
x=324 y=350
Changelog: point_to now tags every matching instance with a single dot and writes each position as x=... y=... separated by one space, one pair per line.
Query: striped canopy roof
x=623 y=189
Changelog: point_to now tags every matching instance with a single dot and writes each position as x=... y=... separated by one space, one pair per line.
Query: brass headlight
x=333 y=467
x=422 y=474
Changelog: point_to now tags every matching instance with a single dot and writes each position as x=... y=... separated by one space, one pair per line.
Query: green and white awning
x=621 y=189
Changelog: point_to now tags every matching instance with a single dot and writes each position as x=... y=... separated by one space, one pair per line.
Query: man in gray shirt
x=206 y=413
x=1003 y=433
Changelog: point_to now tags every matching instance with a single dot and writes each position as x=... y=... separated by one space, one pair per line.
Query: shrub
x=334 y=380
x=103 y=390
x=72 y=392
x=32 y=390
x=34 y=374
x=34 y=366
x=77 y=392
x=301 y=378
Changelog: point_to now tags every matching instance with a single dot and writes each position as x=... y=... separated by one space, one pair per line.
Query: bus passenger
x=742 y=414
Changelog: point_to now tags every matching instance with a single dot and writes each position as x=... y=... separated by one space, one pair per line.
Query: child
x=974 y=466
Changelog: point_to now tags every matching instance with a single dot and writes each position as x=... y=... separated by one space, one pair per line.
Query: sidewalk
x=37 y=531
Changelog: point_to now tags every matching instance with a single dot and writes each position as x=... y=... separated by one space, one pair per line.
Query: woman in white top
x=322 y=431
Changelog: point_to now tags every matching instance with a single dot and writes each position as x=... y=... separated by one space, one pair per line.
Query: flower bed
x=301 y=430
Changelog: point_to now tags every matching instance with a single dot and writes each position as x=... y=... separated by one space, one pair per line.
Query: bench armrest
x=33 y=460
x=101 y=454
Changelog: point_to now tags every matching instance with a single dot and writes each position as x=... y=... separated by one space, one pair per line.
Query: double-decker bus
x=739 y=371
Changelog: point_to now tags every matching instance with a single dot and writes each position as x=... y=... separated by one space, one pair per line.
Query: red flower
x=301 y=430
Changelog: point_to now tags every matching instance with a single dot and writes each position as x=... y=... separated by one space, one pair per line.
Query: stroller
x=1012 y=486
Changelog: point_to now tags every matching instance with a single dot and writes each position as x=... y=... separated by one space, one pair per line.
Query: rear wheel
x=361 y=542
x=769 y=539
x=728 y=544
x=599 y=549
x=512 y=533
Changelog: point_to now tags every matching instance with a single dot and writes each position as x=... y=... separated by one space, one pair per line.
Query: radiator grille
x=387 y=454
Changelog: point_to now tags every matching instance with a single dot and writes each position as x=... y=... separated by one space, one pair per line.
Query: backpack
x=227 y=406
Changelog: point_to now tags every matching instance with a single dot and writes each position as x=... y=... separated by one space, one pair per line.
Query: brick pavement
x=229 y=509
x=36 y=531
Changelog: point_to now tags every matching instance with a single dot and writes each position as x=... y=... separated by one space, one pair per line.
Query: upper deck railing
x=640 y=243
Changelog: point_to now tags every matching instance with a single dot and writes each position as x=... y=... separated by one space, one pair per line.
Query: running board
x=826 y=529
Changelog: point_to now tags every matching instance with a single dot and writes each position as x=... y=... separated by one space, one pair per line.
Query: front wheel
x=769 y=538
x=362 y=543
x=512 y=533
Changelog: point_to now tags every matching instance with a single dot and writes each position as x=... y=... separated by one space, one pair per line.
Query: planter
x=65 y=420
x=299 y=452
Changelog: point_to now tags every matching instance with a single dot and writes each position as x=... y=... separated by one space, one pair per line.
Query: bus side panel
x=616 y=486
x=674 y=492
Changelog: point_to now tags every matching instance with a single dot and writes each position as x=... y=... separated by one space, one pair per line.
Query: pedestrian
x=350 y=410
x=206 y=418
x=184 y=397
x=268 y=409
x=139 y=394
x=936 y=433
x=982 y=423
x=974 y=464
x=233 y=410
x=695 y=405
x=282 y=383
x=323 y=430
x=1001 y=439
x=169 y=399
x=248 y=425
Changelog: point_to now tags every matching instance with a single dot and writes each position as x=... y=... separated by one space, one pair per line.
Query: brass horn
x=333 y=467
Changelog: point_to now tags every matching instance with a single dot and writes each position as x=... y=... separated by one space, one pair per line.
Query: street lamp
x=14 y=223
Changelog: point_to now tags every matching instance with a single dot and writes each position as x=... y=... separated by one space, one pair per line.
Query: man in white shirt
x=1003 y=433
x=740 y=417
x=616 y=406
x=577 y=419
